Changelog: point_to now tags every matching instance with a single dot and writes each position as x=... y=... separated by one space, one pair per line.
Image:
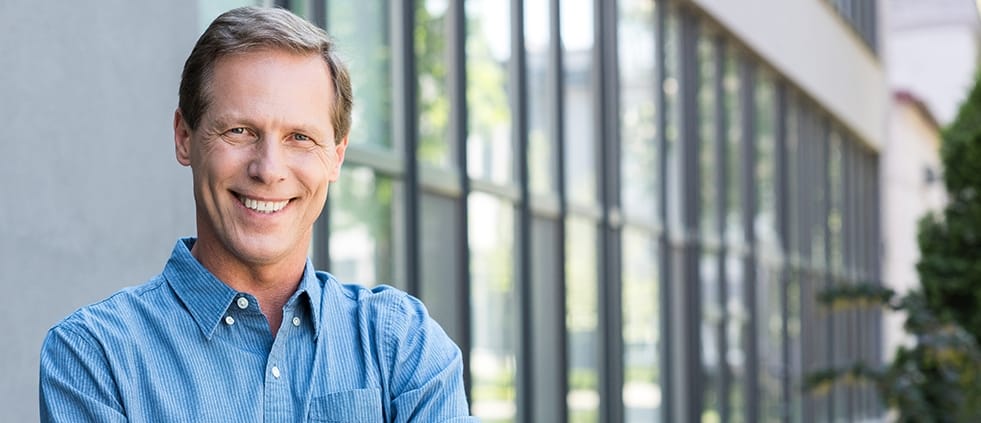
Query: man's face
x=262 y=156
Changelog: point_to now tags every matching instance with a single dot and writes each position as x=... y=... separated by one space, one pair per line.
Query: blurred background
x=621 y=210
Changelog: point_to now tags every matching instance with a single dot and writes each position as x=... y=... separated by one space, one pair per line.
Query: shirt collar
x=310 y=285
x=207 y=298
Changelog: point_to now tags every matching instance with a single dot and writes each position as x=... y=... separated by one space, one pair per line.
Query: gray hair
x=247 y=29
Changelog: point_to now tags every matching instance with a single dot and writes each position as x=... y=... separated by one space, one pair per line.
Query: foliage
x=935 y=380
x=939 y=378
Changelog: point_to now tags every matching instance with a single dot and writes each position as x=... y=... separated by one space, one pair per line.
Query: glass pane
x=734 y=149
x=362 y=32
x=432 y=68
x=835 y=181
x=580 y=145
x=542 y=163
x=770 y=331
x=738 y=319
x=708 y=165
x=765 y=223
x=791 y=145
x=362 y=227
x=672 y=129
x=711 y=328
x=489 y=145
x=440 y=285
x=817 y=196
x=581 y=320
x=547 y=315
x=493 y=308
x=641 y=328
x=795 y=366
x=638 y=123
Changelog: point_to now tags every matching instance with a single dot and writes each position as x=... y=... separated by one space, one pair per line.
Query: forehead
x=272 y=81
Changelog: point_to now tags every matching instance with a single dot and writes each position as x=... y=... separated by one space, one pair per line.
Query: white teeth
x=263 y=206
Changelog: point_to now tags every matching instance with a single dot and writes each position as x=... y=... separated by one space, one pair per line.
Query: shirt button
x=275 y=372
x=243 y=303
x=296 y=321
x=229 y=320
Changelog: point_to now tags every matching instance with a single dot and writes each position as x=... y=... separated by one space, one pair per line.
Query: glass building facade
x=616 y=209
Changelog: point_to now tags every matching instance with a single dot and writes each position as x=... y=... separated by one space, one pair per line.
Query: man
x=239 y=326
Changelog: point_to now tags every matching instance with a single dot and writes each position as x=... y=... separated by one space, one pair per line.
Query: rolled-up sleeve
x=426 y=367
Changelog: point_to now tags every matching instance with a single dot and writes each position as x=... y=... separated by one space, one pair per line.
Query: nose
x=268 y=164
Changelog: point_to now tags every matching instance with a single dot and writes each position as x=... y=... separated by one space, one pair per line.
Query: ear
x=339 y=150
x=182 y=139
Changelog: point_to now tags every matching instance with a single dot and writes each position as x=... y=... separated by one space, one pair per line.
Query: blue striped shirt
x=185 y=347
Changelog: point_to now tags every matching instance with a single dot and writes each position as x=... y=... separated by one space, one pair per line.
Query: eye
x=238 y=132
x=301 y=137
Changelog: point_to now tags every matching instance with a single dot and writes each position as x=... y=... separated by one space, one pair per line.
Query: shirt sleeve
x=76 y=384
x=426 y=368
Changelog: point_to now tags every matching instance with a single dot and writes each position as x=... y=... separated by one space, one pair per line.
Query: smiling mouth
x=262 y=206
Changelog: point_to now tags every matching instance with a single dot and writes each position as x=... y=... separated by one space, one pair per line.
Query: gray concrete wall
x=91 y=197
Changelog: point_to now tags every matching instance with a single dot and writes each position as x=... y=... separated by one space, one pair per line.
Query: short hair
x=248 y=29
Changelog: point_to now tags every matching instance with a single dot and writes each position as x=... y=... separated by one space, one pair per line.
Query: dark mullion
x=458 y=135
x=605 y=84
x=519 y=132
x=558 y=141
x=318 y=13
x=783 y=235
x=853 y=393
x=664 y=250
x=747 y=95
x=722 y=166
x=877 y=260
x=688 y=145
x=321 y=253
x=407 y=128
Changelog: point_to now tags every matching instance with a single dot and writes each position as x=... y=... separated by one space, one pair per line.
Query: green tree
x=939 y=378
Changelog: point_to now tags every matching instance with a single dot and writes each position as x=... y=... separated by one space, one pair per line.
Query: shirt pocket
x=355 y=406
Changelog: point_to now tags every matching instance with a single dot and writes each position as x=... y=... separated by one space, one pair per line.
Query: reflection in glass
x=794 y=299
x=708 y=165
x=835 y=178
x=581 y=320
x=765 y=223
x=738 y=319
x=734 y=149
x=769 y=301
x=361 y=227
x=770 y=331
x=492 y=307
x=579 y=124
x=672 y=111
x=711 y=328
x=641 y=330
x=542 y=163
x=489 y=146
x=432 y=70
x=362 y=32
x=638 y=125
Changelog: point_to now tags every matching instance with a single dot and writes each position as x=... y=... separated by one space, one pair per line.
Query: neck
x=271 y=283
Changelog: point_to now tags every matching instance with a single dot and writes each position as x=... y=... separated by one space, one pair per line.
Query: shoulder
x=394 y=313
x=116 y=314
